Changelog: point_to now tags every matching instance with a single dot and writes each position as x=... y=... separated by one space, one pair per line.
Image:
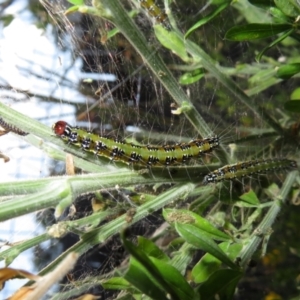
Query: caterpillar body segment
x=248 y=168
x=130 y=153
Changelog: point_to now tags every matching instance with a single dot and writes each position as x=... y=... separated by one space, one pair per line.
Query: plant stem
x=267 y=222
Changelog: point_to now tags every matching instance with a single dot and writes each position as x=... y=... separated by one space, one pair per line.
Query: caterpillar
x=155 y=12
x=251 y=167
x=7 y=128
x=130 y=153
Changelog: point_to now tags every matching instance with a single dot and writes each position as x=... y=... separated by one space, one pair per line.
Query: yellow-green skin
x=130 y=153
x=242 y=169
x=155 y=12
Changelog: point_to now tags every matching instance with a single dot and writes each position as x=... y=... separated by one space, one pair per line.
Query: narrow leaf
x=138 y=276
x=295 y=94
x=278 y=40
x=150 y=249
x=193 y=236
x=287 y=71
x=279 y=16
x=250 y=198
x=175 y=279
x=72 y=9
x=188 y=217
x=170 y=40
x=76 y=2
x=262 y=3
x=191 y=77
x=221 y=285
x=255 y=31
x=209 y=264
x=208 y=18
x=116 y=283
x=288 y=7
x=143 y=265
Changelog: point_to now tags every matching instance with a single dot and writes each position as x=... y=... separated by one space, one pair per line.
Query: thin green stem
x=267 y=222
x=101 y=234
x=126 y=25
x=210 y=65
x=10 y=254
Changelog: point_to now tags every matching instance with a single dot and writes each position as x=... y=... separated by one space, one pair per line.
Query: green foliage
x=188 y=217
x=209 y=264
x=255 y=31
x=222 y=283
x=191 y=77
x=289 y=70
x=153 y=276
x=286 y=22
x=208 y=18
x=235 y=222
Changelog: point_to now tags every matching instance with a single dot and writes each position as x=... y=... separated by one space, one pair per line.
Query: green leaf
x=116 y=283
x=287 y=71
x=220 y=285
x=296 y=94
x=279 y=16
x=278 y=40
x=209 y=264
x=289 y=7
x=139 y=277
x=250 y=198
x=170 y=40
x=293 y=106
x=262 y=3
x=193 y=236
x=145 y=276
x=191 y=77
x=205 y=267
x=72 y=9
x=76 y=2
x=208 y=18
x=255 y=31
x=273 y=190
x=261 y=76
x=150 y=249
x=183 y=216
x=175 y=279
